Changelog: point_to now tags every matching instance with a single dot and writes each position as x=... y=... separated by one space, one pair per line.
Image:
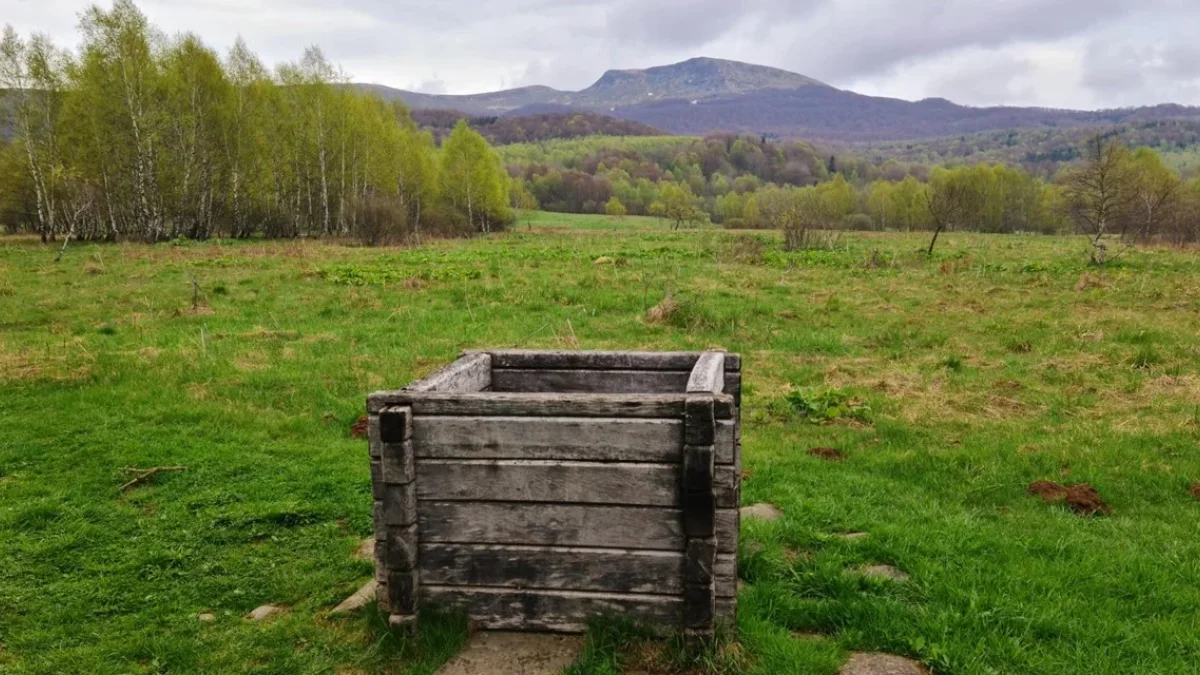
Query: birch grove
x=138 y=135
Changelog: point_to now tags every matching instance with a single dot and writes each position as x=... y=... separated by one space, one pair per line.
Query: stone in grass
x=861 y=663
x=206 y=617
x=361 y=598
x=762 y=511
x=883 y=572
x=365 y=550
x=500 y=653
x=264 y=612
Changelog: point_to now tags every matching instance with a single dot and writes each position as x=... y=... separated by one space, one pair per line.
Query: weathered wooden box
x=536 y=489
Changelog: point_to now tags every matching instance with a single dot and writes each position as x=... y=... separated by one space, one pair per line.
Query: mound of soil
x=359 y=428
x=830 y=454
x=1082 y=498
x=1048 y=490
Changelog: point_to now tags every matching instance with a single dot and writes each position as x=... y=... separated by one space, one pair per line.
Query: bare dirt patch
x=762 y=511
x=881 y=664
x=1194 y=490
x=828 y=454
x=887 y=572
x=359 y=428
x=1081 y=498
x=499 y=653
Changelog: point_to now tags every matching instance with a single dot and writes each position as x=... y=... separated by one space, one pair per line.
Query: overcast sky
x=1058 y=53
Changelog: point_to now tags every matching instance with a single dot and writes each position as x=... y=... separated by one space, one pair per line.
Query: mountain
x=704 y=95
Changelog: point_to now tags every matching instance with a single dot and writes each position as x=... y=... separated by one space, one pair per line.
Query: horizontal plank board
x=561 y=568
x=590 y=381
x=567 y=438
x=633 y=527
x=556 y=611
x=601 y=360
x=546 y=404
x=531 y=480
x=708 y=375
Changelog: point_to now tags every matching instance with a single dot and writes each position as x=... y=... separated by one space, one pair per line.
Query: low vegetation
x=946 y=385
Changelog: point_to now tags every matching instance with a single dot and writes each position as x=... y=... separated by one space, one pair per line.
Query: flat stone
x=762 y=511
x=206 y=617
x=264 y=612
x=881 y=664
x=883 y=572
x=503 y=653
x=361 y=598
x=366 y=550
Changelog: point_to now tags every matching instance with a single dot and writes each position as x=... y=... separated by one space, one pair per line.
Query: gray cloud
x=1068 y=53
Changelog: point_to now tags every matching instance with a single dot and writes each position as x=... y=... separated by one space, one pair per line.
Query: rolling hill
x=704 y=95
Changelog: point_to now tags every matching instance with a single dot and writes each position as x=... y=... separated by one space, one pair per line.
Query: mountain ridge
x=705 y=95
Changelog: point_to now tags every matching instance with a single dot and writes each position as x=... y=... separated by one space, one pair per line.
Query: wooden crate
x=536 y=489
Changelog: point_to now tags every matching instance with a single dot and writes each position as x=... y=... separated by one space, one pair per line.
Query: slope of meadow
x=949 y=385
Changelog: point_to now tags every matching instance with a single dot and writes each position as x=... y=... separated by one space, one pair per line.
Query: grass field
x=949 y=384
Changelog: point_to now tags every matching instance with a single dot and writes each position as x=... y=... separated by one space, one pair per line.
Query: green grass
x=954 y=382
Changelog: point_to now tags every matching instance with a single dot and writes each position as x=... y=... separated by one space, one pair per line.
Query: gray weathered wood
x=397 y=463
x=398 y=504
x=566 y=438
x=552 y=567
x=522 y=480
x=395 y=424
x=600 y=360
x=708 y=375
x=696 y=494
x=631 y=527
x=699 y=423
x=545 y=404
x=552 y=610
x=469 y=373
x=567 y=568
x=590 y=381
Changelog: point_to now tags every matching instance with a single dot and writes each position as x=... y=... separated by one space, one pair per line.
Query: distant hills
x=704 y=95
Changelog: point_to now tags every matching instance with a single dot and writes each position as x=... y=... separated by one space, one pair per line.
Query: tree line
x=142 y=136
x=743 y=182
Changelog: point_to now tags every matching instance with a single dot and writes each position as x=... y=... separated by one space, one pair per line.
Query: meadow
x=949 y=384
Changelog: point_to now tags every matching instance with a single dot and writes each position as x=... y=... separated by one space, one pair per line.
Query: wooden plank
x=551 y=525
x=590 y=381
x=552 y=567
x=566 y=568
x=530 y=480
x=708 y=375
x=633 y=527
x=723 y=442
x=395 y=424
x=566 y=438
x=538 y=480
x=469 y=373
x=551 y=610
x=602 y=360
x=696 y=496
x=507 y=404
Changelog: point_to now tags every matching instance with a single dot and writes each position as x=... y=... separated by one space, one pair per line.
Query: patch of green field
x=950 y=384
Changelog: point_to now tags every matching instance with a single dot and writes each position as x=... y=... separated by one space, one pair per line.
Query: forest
x=137 y=135
x=747 y=182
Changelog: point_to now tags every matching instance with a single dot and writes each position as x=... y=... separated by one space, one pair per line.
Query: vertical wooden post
x=697 y=498
x=393 y=478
